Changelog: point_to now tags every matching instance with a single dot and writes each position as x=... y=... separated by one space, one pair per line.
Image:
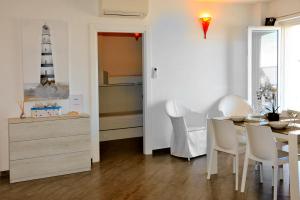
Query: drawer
x=28 y=169
x=48 y=129
x=46 y=147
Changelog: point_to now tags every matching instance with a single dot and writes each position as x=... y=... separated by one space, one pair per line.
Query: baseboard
x=162 y=151
x=4 y=173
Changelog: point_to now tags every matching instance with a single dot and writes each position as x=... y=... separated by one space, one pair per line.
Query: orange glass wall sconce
x=205 y=21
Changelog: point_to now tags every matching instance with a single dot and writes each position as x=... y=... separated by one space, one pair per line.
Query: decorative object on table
x=267 y=99
x=272 y=114
x=238 y=118
x=293 y=114
x=265 y=92
x=263 y=96
x=45 y=60
x=279 y=124
x=255 y=119
x=270 y=21
x=22 y=110
x=258 y=106
x=48 y=110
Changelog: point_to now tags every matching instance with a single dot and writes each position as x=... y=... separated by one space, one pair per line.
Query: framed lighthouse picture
x=45 y=60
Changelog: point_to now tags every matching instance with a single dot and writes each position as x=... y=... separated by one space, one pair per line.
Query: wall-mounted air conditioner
x=124 y=8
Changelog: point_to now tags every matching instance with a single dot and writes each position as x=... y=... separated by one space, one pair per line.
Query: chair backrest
x=261 y=142
x=225 y=135
x=175 y=109
x=176 y=114
x=233 y=105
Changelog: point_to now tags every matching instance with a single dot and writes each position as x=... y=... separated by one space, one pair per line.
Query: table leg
x=293 y=167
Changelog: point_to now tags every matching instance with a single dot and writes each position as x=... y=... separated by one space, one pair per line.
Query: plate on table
x=238 y=118
x=254 y=119
x=256 y=116
x=279 y=124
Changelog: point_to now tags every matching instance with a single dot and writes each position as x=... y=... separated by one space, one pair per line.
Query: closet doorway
x=120 y=77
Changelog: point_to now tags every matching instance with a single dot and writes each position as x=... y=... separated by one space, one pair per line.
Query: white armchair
x=189 y=132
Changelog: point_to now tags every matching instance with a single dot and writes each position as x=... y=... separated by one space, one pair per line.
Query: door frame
x=94 y=81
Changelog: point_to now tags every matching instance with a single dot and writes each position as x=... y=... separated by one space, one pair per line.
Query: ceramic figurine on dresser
x=22 y=110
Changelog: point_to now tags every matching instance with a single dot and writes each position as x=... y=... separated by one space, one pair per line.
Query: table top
x=293 y=128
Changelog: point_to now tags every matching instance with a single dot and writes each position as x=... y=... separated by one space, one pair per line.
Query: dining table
x=289 y=134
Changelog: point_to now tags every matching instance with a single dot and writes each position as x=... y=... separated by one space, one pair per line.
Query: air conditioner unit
x=124 y=8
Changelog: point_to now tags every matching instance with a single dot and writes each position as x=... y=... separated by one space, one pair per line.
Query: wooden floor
x=125 y=173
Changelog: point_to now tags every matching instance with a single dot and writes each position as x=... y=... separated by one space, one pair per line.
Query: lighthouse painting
x=47 y=69
x=45 y=60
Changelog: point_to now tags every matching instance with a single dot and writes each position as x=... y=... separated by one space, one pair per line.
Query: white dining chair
x=261 y=147
x=189 y=132
x=233 y=105
x=225 y=139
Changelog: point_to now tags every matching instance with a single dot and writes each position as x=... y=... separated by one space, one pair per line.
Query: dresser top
x=41 y=119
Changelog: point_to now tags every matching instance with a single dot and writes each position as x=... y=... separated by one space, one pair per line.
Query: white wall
x=127 y=49
x=277 y=8
x=12 y=12
x=259 y=13
x=195 y=71
x=191 y=69
x=78 y=14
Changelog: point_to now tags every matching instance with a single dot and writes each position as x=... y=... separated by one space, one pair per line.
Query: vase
x=273 y=116
x=22 y=115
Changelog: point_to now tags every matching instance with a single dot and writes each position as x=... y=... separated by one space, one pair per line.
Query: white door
x=263 y=65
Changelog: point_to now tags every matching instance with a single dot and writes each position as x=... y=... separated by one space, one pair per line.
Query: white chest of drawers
x=45 y=147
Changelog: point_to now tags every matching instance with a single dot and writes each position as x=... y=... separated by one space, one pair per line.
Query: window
x=291 y=92
x=268 y=59
x=263 y=66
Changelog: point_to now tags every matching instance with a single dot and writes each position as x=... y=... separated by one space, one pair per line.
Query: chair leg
x=236 y=172
x=189 y=159
x=234 y=165
x=246 y=161
x=280 y=171
x=256 y=166
x=261 y=173
x=210 y=161
x=273 y=177
x=275 y=182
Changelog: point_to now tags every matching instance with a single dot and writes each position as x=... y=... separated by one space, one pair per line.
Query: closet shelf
x=113 y=114
x=120 y=84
